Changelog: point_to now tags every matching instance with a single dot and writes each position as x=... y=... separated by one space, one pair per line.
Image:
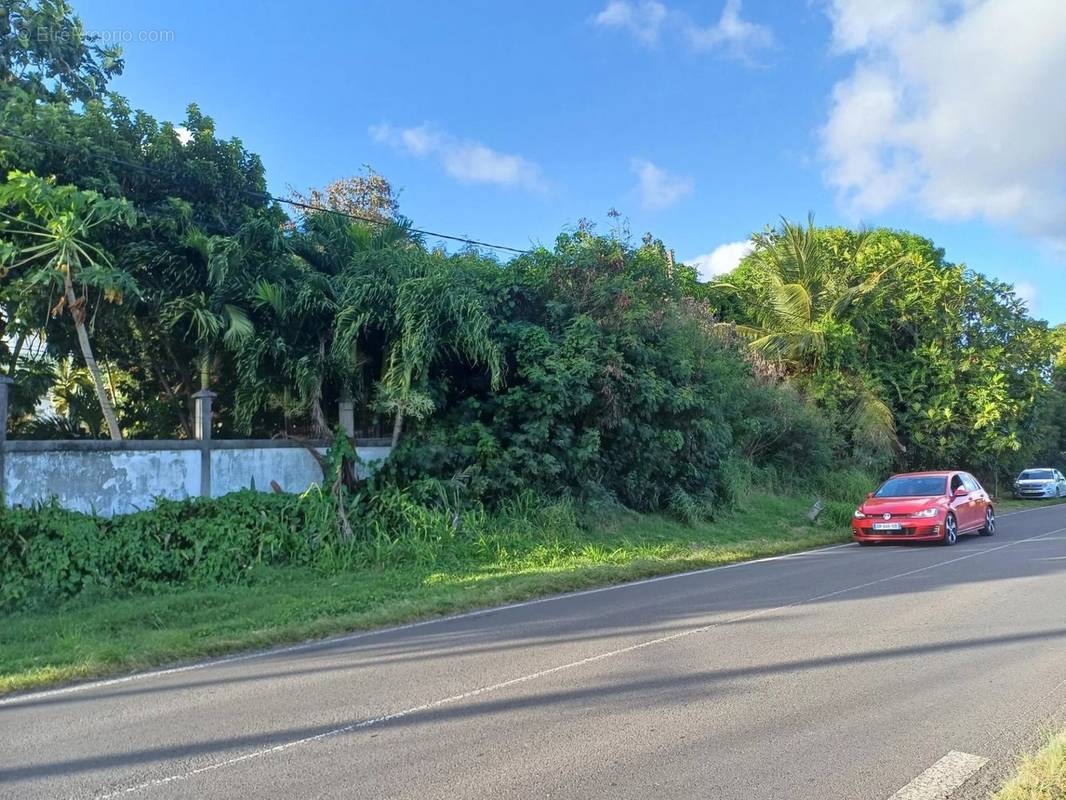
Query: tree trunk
x=397 y=428
x=90 y=362
x=319 y=423
x=19 y=342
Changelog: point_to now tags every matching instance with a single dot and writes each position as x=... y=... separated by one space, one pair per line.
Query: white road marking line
x=367 y=723
x=351 y=637
x=944 y=777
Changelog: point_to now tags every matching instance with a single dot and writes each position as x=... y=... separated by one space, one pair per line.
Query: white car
x=1036 y=484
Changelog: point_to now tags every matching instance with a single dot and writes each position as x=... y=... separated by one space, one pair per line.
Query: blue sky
x=699 y=122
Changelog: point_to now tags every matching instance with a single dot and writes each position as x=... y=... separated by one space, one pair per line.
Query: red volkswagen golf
x=923 y=507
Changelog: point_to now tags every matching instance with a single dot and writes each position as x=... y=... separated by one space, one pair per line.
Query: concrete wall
x=105 y=482
x=121 y=477
x=293 y=468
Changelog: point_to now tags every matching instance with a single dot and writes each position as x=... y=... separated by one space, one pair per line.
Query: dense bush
x=48 y=553
x=617 y=388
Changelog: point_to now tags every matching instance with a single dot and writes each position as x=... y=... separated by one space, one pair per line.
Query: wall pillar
x=346 y=411
x=202 y=420
x=5 y=386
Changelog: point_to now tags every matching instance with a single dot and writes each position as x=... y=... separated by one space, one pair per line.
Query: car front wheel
x=990 y=523
x=951 y=531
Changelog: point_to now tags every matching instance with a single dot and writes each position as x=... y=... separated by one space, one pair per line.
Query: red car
x=925 y=507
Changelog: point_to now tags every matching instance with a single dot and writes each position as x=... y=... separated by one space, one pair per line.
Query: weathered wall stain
x=122 y=481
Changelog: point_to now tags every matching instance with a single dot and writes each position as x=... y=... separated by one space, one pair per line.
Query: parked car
x=924 y=507
x=1040 y=483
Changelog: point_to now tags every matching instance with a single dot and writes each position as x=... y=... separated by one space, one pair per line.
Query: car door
x=1060 y=481
x=979 y=500
x=960 y=504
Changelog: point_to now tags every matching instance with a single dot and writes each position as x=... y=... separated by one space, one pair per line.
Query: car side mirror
x=869 y=495
x=962 y=491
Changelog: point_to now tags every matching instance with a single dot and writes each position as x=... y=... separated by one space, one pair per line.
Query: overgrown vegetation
x=598 y=368
x=49 y=554
x=430 y=568
x=1041 y=776
x=595 y=377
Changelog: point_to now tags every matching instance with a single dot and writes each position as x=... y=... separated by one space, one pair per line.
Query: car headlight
x=858 y=514
x=926 y=513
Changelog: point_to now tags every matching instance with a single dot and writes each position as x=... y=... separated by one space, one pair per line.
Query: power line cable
x=263 y=195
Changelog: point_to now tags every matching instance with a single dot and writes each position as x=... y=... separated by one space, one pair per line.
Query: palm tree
x=426 y=310
x=303 y=301
x=48 y=241
x=801 y=306
x=212 y=318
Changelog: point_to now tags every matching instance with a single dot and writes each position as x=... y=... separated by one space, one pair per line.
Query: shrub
x=47 y=552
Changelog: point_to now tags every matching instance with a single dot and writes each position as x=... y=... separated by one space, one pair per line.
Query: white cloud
x=643 y=19
x=724 y=258
x=184 y=134
x=1027 y=293
x=731 y=35
x=954 y=106
x=659 y=188
x=465 y=160
x=739 y=36
x=858 y=23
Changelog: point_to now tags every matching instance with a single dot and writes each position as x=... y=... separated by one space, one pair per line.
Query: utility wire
x=261 y=195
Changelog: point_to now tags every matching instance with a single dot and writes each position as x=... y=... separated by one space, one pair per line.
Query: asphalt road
x=839 y=673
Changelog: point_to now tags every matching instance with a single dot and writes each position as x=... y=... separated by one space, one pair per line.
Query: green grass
x=1007 y=504
x=1041 y=776
x=92 y=637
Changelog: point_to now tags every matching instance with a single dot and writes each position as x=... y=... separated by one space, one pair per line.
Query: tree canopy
x=598 y=367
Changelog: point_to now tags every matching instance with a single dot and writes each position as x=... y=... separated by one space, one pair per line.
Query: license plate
x=887 y=526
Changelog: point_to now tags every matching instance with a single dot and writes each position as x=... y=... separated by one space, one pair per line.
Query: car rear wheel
x=951 y=531
x=990 y=523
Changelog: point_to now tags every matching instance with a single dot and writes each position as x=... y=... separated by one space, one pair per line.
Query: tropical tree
x=806 y=315
x=368 y=196
x=213 y=317
x=45 y=50
x=49 y=245
x=425 y=310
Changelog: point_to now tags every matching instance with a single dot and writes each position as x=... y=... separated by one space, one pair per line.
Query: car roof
x=1040 y=469
x=934 y=474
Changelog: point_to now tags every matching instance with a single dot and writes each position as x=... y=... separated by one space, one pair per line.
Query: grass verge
x=1008 y=504
x=1041 y=776
x=93 y=637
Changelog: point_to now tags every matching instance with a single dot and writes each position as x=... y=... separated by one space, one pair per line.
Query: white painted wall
x=122 y=481
x=106 y=483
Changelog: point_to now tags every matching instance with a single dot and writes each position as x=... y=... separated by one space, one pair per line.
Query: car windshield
x=1037 y=475
x=924 y=486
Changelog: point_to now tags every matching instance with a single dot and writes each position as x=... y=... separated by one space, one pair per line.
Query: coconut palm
x=805 y=308
x=47 y=244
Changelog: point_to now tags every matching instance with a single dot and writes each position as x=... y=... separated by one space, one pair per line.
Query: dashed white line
x=368 y=723
x=351 y=637
x=943 y=778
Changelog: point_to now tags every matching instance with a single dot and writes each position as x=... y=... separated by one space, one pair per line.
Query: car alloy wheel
x=951 y=530
x=990 y=523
